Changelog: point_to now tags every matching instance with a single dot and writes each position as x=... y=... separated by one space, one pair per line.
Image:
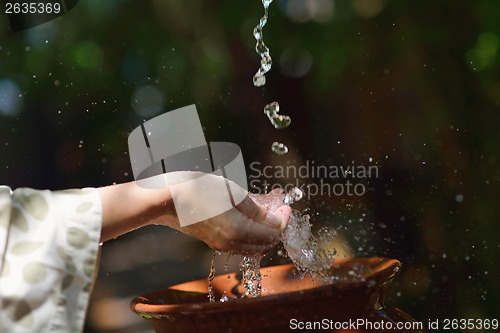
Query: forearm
x=127 y=206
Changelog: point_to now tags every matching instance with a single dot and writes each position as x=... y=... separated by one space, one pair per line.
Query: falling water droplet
x=295 y=194
x=280 y=121
x=259 y=80
x=226 y=264
x=210 y=278
x=266 y=3
x=257 y=33
x=260 y=47
x=277 y=120
x=266 y=63
x=271 y=109
x=279 y=148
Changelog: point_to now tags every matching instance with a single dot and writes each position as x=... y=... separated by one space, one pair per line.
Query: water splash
x=259 y=79
x=277 y=120
x=310 y=254
x=252 y=278
x=279 y=148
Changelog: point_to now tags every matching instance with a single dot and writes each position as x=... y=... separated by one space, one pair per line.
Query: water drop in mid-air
x=259 y=80
x=277 y=120
x=295 y=194
x=279 y=148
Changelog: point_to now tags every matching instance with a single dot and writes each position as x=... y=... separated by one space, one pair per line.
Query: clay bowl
x=288 y=301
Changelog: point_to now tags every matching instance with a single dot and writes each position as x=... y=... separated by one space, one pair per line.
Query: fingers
x=276 y=191
x=248 y=240
x=258 y=214
x=245 y=230
x=239 y=234
x=283 y=213
x=251 y=210
x=271 y=200
x=238 y=231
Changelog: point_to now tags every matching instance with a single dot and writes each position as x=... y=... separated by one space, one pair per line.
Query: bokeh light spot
x=485 y=52
x=302 y=11
x=10 y=100
x=296 y=63
x=367 y=8
x=147 y=101
x=87 y=54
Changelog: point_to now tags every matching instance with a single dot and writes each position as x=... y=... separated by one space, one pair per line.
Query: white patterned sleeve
x=49 y=246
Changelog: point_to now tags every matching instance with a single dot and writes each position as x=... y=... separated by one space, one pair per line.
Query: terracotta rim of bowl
x=377 y=270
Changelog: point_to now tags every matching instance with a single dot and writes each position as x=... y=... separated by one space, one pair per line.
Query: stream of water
x=266 y=62
x=310 y=254
x=259 y=79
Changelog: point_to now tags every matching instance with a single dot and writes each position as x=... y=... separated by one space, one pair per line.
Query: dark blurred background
x=412 y=87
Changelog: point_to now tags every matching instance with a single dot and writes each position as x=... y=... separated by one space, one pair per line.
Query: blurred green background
x=412 y=87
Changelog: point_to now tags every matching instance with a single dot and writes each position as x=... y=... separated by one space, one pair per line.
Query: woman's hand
x=252 y=226
x=248 y=228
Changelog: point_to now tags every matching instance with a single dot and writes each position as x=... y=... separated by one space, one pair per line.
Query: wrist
x=159 y=205
x=128 y=206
